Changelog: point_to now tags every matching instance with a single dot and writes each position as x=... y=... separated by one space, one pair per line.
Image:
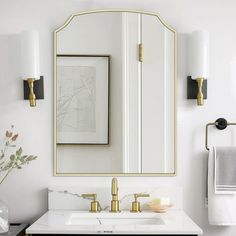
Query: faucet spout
x=114 y=194
x=114 y=186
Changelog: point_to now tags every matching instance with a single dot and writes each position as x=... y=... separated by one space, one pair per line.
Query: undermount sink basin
x=115 y=219
x=132 y=221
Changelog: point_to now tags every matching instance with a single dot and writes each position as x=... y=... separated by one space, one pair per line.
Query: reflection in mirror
x=114 y=103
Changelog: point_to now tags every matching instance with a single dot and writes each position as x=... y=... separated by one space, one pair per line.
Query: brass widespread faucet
x=114 y=193
x=95 y=205
x=136 y=206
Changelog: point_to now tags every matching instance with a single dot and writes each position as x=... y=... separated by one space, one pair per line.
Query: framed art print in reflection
x=82 y=99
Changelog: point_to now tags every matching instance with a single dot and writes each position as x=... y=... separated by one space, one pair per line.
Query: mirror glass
x=114 y=94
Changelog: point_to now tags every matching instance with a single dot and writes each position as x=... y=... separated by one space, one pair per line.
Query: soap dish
x=157 y=207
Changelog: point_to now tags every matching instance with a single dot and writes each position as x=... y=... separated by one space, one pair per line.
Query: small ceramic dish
x=157 y=207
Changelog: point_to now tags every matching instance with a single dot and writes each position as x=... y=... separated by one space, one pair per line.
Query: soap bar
x=160 y=205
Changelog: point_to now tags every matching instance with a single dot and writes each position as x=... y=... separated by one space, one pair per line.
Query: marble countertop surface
x=56 y=222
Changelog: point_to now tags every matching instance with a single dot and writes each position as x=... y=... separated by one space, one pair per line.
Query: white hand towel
x=225 y=170
x=221 y=207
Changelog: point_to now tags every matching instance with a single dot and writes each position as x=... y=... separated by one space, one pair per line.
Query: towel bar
x=220 y=124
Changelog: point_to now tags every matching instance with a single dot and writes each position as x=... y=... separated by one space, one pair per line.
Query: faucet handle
x=136 y=204
x=95 y=205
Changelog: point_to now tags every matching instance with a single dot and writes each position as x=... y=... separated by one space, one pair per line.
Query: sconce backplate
x=38 y=89
x=192 y=88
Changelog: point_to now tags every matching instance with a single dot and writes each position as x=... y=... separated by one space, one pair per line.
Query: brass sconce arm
x=32 y=97
x=200 y=98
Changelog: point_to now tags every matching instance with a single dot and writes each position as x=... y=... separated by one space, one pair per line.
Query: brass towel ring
x=220 y=124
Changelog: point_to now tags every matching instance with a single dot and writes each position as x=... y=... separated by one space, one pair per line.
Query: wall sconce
x=198 y=66
x=33 y=82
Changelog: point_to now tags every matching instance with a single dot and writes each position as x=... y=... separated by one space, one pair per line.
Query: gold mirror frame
x=55 y=161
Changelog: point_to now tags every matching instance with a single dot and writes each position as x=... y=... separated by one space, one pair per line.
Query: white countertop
x=175 y=222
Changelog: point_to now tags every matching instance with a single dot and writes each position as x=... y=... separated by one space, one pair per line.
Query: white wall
x=24 y=191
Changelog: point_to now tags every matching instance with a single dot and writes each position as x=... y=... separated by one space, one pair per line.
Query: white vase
x=4 y=224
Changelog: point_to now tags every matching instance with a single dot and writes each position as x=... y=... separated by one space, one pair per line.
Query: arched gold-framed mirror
x=115 y=94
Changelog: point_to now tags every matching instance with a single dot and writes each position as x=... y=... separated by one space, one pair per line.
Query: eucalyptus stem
x=16 y=159
x=5 y=175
